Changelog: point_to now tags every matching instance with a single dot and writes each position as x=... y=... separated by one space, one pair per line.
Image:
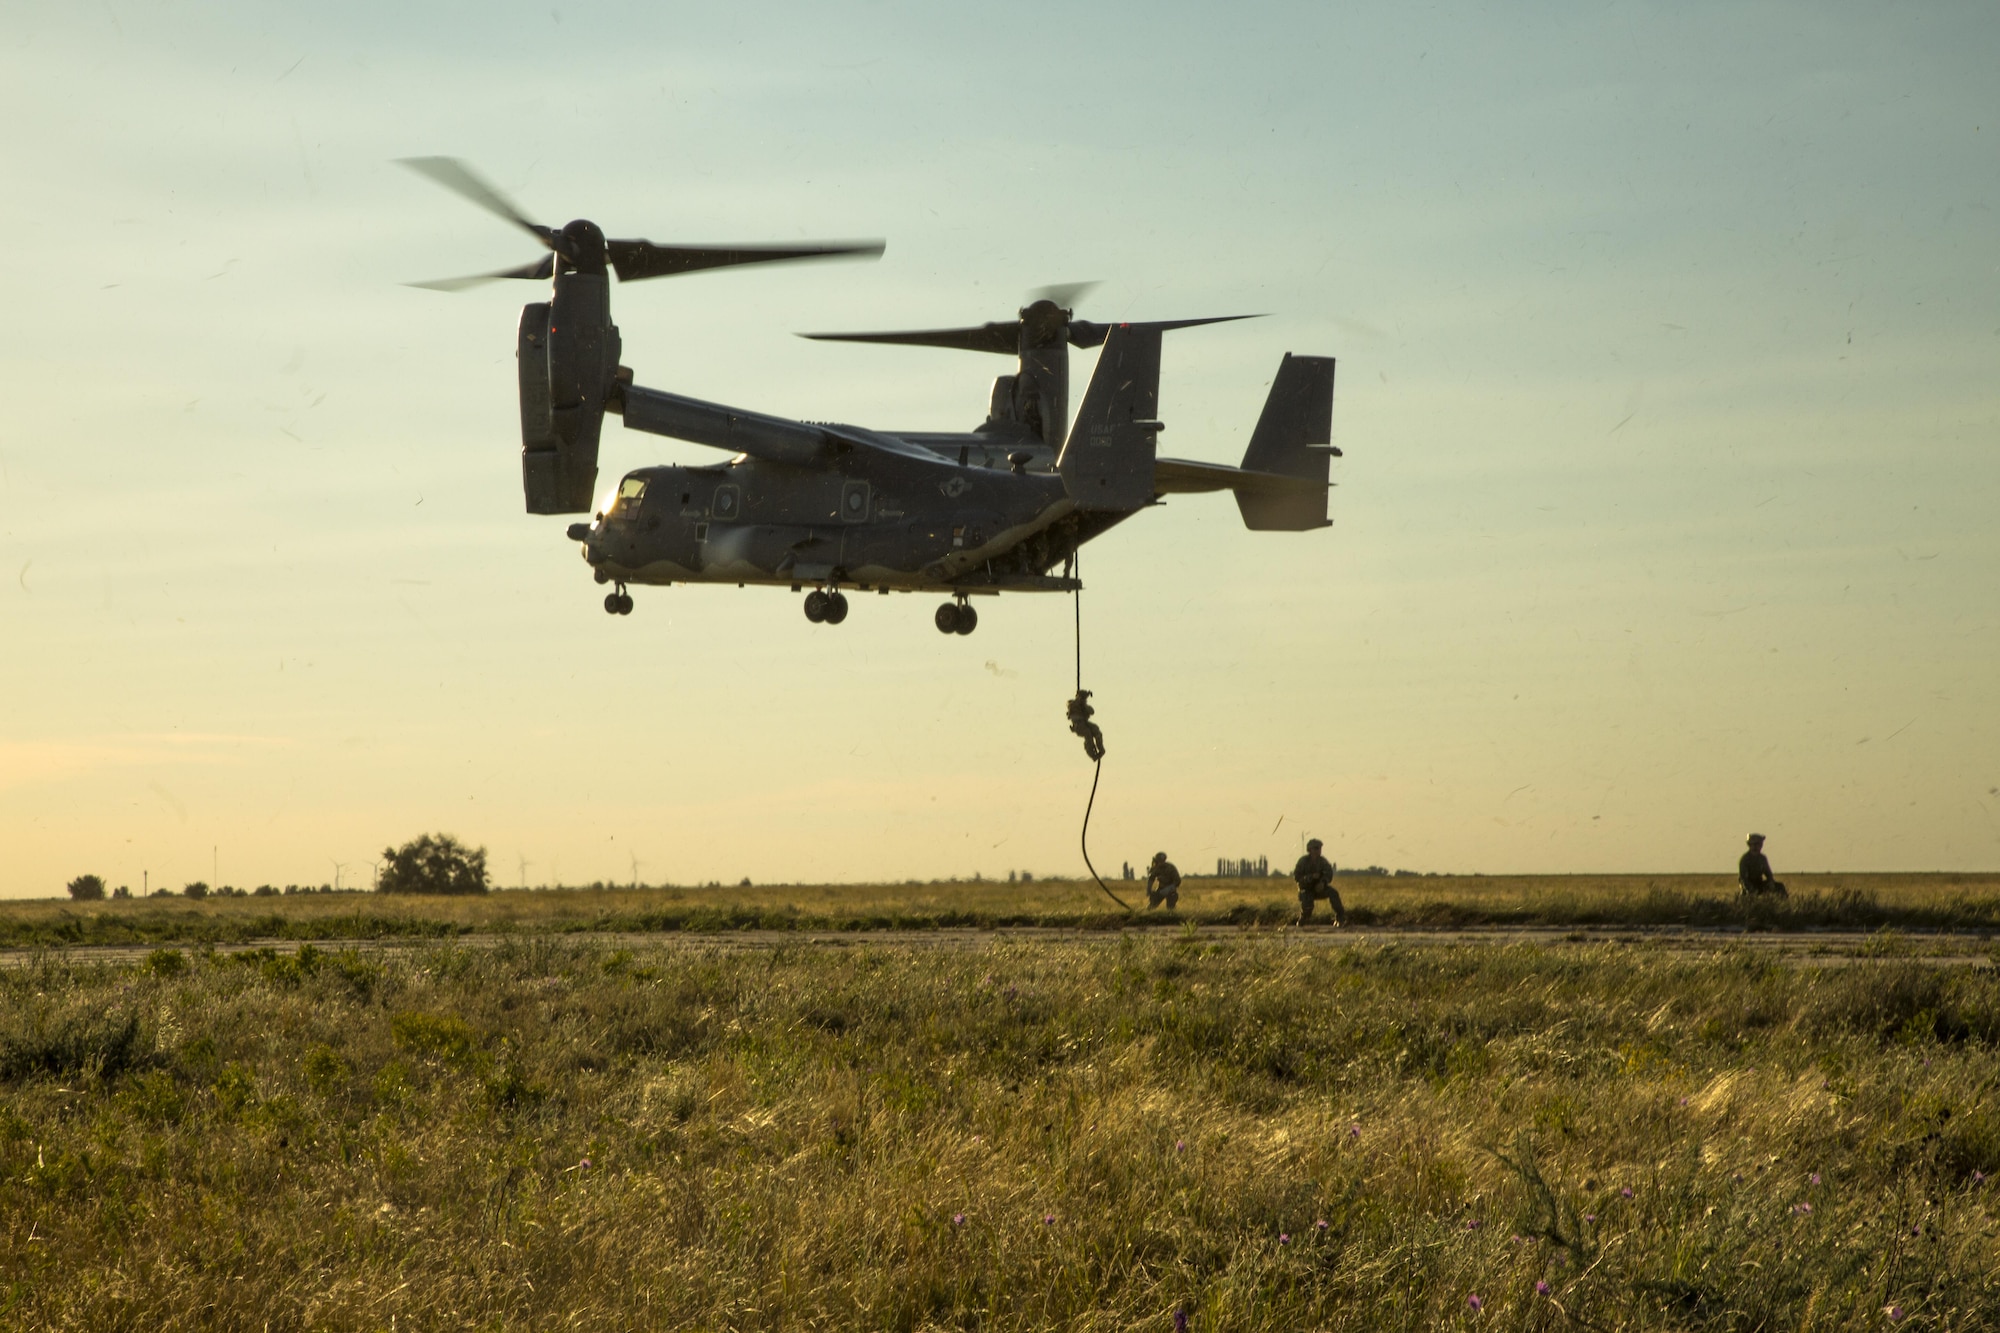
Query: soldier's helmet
x=1756 y=840
x=1159 y=857
x=1314 y=844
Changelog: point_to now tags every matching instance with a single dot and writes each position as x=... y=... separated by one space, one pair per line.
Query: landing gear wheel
x=946 y=618
x=836 y=608
x=624 y=603
x=816 y=606
x=968 y=619
x=618 y=603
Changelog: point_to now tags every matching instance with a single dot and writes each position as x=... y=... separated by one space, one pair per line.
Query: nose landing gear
x=618 y=603
x=956 y=618
x=825 y=608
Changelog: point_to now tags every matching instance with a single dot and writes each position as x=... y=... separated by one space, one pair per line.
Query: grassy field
x=1852 y=902
x=549 y=1133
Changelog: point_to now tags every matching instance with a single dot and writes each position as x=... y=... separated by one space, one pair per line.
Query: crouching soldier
x=1163 y=883
x=1314 y=874
x=1753 y=872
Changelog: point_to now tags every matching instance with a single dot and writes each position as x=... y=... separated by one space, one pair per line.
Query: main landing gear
x=956 y=618
x=825 y=608
x=618 y=603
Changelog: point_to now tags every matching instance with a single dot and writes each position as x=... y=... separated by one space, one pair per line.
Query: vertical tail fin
x=1107 y=462
x=1293 y=439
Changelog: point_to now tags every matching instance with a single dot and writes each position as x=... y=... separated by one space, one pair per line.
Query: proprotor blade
x=642 y=259
x=1082 y=333
x=1002 y=338
x=542 y=268
x=461 y=180
x=1064 y=294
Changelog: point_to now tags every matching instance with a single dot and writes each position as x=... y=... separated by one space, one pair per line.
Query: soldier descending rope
x=1314 y=874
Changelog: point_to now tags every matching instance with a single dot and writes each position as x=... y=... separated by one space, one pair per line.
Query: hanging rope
x=1080 y=712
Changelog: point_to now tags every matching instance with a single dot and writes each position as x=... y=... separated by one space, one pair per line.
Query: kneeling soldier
x=1753 y=872
x=1314 y=874
x=1163 y=882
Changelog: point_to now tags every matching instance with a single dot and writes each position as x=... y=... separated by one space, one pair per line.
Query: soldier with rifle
x=1314 y=874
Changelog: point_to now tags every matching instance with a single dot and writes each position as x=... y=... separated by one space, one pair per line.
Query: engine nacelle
x=568 y=352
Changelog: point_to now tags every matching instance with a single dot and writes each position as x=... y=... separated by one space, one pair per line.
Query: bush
x=433 y=863
x=198 y=889
x=87 y=888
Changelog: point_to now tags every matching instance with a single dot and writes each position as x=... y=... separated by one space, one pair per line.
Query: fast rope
x=1080 y=712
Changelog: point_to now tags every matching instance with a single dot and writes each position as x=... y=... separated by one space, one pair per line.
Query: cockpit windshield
x=630 y=492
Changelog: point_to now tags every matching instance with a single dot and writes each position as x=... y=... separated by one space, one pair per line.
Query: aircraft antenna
x=1080 y=711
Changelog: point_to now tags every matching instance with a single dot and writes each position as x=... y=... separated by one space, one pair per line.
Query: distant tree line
x=432 y=863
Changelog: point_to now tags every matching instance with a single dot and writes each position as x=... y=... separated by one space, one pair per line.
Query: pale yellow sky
x=1668 y=344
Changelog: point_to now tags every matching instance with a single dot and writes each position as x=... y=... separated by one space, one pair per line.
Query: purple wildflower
x=1354 y=1131
x=1048 y=1219
x=1320 y=1225
x=1978 y=1176
x=1284 y=1238
x=1180 y=1320
x=1801 y=1207
x=1626 y=1191
x=1180 y=1145
x=1476 y=1304
x=1590 y=1217
x=958 y=1219
x=1895 y=1313
x=1815 y=1177
x=584 y=1165
x=1472 y=1224
x=1541 y=1287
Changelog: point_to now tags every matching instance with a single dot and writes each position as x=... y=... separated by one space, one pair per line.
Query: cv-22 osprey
x=827 y=508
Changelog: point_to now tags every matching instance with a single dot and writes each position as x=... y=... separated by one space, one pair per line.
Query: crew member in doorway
x=1314 y=874
x=1163 y=883
x=1753 y=872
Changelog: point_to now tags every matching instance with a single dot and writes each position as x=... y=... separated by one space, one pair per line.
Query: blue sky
x=1667 y=343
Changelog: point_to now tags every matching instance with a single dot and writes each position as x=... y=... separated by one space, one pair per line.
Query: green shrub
x=444 y=1035
x=165 y=962
x=39 y=1040
x=87 y=888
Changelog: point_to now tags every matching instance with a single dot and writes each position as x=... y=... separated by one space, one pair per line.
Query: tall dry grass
x=548 y=1134
x=1856 y=902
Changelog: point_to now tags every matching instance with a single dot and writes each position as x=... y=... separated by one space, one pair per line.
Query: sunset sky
x=1669 y=389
